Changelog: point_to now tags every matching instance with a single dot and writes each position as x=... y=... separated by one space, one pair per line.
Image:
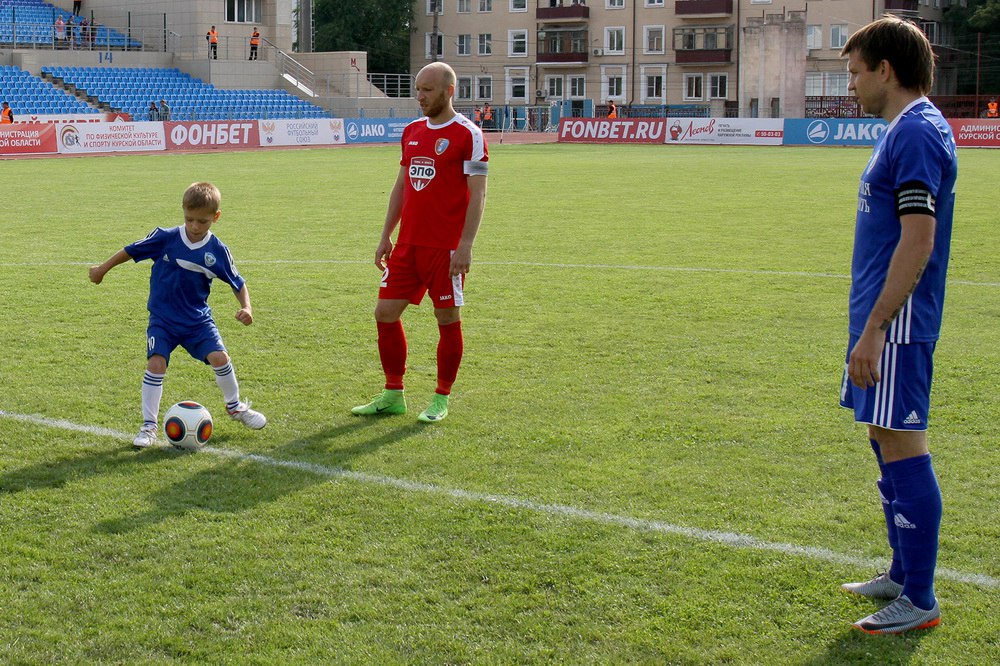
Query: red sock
x=392 y=352
x=449 y=355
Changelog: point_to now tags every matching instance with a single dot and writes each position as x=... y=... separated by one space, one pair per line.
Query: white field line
x=731 y=539
x=536 y=264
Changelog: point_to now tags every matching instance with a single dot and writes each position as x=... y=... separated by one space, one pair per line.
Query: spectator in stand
x=71 y=32
x=152 y=113
x=612 y=109
x=164 y=111
x=77 y=6
x=59 y=32
x=487 y=116
x=212 y=37
x=85 y=33
x=254 y=43
x=992 y=110
x=6 y=115
x=477 y=117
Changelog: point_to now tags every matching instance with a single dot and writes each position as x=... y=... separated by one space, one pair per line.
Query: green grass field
x=644 y=462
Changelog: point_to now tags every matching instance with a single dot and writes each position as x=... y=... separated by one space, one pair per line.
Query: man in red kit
x=437 y=202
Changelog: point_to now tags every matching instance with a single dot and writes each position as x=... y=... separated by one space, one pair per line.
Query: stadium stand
x=28 y=94
x=31 y=22
x=131 y=89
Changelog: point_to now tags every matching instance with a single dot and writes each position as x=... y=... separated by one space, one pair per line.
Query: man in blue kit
x=185 y=261
x=901 y=244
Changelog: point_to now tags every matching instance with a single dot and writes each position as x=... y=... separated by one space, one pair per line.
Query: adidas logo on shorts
x=902 y=523
x=912 y=419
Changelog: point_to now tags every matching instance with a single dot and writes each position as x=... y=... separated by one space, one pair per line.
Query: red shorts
x=414 y=270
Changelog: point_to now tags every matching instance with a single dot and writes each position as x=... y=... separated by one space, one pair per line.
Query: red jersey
x=438 y=159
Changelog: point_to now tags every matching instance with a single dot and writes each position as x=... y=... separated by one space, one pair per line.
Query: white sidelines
x=731 y=539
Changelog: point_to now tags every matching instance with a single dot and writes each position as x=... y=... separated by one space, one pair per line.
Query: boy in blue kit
x=901 y=243
x=185 y=260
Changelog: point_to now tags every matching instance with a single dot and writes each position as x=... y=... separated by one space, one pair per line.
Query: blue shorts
x=902 y=399
x=199 y=341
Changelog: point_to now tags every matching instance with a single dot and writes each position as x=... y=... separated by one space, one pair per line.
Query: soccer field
x=644 y=460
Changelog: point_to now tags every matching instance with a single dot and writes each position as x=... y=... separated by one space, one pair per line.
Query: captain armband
x=476 y=168
x=914 y=198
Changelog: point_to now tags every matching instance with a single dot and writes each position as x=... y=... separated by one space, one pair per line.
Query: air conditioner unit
x=540 y=93
x=598 y=52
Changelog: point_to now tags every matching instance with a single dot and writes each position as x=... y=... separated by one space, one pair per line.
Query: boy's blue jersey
x=182 y=274
x=916 y=150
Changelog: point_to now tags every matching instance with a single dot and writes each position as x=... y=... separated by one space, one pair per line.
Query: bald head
x=439 y=72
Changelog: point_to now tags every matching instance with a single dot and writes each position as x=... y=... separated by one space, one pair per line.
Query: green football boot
x=436 y=411
x=386 y=402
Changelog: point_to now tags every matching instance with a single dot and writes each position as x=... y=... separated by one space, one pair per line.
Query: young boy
x=185 y=260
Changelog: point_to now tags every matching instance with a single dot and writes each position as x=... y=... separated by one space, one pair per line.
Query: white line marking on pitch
x=732 y=539
x=541 y=264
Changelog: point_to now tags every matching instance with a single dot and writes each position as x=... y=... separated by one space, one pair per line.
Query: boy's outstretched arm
x=245 y=313
x=97 y=273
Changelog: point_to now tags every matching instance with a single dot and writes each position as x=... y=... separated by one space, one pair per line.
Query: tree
x=379 y=27
x=975 y=45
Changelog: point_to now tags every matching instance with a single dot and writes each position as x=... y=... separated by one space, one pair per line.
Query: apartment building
x=741 y=57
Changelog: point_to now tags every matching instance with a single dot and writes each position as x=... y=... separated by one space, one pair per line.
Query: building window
x=464 y=6
x=836 y=83
x=431 y=45
x=616 y=86
x=838 y=35
x=614 y=4
x=692 y=87
x=554 y=86
x=930 y=29
x=517 y=82
x=687 y=39
x=243 y=11
x=518 y=43
x=718 y=86
x=464 y=87
x=435 y=6
x=654 y=39
x=614 y=40
x=577 y=86
x=485 y=44
x=485 y=6
x=814 y=84
x=464 y=44
x=518 y=5
x=814 y=36
x=654 y=3
x=484 y=87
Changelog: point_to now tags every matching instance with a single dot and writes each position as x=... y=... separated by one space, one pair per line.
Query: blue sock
x=917 y=514
x=887 y=495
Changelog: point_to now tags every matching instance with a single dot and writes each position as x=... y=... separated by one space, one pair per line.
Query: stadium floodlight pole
x=979 y=53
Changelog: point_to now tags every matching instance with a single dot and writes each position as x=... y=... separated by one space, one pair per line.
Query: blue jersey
x=182 y=274
x=915 y=153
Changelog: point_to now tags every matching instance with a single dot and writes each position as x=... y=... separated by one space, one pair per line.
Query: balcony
x=703 y=56
x=564 y=46
x=907 y=6
x=699 y=8
x=562 y=10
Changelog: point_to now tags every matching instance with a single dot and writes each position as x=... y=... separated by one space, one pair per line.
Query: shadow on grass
x=56 y=473
x=852 y=646
x=238 y=483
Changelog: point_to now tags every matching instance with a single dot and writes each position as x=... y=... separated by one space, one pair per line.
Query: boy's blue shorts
x=199 y=341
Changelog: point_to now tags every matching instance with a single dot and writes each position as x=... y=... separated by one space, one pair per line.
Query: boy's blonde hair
x=201 y=196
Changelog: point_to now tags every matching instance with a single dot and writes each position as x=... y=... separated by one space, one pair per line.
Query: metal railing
x=93 y=37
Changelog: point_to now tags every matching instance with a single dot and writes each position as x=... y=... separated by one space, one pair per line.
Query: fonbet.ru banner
x=976 y=132
x=117 y=137
x=612 y=130
x=726 y=131
x=304 y=132
x=195 y=136
x=27 y=139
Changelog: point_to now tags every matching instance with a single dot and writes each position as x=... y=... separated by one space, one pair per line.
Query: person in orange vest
x=212 y=37
x=254 y=43
x=612 y=109
x=487 y=116
x=992 y=111
x=477 y=117
x=6 y=115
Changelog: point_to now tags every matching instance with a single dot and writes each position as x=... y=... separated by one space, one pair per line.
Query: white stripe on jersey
x=885 y=390
x=189 y=266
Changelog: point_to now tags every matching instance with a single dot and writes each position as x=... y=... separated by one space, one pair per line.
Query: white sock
x=225 y=377
x=152 y=391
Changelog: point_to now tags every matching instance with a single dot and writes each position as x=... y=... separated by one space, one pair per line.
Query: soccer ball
x=187 y=425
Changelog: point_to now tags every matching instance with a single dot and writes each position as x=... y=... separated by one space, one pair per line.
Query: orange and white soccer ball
x=187 y=425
